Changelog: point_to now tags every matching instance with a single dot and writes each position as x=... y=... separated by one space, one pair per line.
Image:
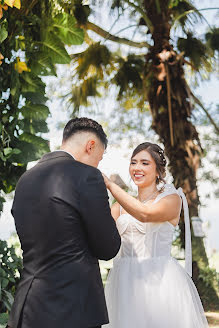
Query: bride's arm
x=167 y=209
x=115 y=211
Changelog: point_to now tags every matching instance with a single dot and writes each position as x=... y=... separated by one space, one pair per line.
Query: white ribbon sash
x=188 y=245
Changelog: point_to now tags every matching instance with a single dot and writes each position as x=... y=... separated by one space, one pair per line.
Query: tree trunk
x=170 y=104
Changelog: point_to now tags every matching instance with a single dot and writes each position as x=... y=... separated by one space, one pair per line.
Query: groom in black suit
x=64 y=223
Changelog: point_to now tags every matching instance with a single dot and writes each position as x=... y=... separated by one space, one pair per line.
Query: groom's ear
x=90 y=146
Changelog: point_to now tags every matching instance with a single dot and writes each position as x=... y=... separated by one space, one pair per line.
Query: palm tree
x=154 y=75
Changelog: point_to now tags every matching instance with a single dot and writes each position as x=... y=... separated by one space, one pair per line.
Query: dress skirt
x=152 y=293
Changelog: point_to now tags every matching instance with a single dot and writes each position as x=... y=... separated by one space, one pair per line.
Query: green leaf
x=4 y=119
x=3 y=319
x=12 y=279
x=29 y=152
x=35 y=97
x=7 y=151
x=42 y=65
x=3 y=33
x=34 y=126
x=16 y=151
x=35 y=112
x=7 y=299
x=4 y=282
x=212 y=38
x=66 y=30
x=35 y=140
x=31 y=83
x=193 y=48
x=54 y=48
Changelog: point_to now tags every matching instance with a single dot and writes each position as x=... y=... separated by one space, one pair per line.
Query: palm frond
x=183 y=13
x=92 y=61
x=194 y=49
x=129 y=75
x=212 y=38
x=81 y=92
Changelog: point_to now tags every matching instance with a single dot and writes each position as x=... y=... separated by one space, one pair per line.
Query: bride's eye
x=145 y=163
x=132 y=163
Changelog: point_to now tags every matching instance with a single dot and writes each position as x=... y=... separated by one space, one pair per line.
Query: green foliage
x=52 y=47
x=129 y=75
x=133 y=73
x=10 y=268
x=194 y=49
x=81 y=92
x=184 y=13
x=32 y=42
x=212 y=39
x=96 y=57
x=3 y=30
x=35 y=112
x=3 y=320
x=208 y=288
x=81 y=12
x=65 y=26
x=208 y=275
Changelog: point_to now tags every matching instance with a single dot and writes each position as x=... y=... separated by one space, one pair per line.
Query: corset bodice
x=144 y=240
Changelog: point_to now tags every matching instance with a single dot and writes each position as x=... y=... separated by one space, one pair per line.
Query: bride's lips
x=138 y=176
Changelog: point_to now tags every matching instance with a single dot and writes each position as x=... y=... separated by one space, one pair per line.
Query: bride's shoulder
x=170 y=193
x=168 y=189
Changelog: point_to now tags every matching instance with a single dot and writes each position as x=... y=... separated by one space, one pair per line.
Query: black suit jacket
x=64 y=223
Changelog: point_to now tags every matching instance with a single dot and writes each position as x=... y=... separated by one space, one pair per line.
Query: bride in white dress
x=147 y=288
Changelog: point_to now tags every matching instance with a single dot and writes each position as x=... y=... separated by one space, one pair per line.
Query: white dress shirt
x=65 y=152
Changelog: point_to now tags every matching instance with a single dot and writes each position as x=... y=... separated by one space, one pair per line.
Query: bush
x=207 y=285
x=10 y=268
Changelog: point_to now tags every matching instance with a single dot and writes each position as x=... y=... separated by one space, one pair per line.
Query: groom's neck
x=70 y=150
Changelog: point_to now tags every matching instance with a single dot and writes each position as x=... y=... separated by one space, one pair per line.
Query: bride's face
x=143 y=169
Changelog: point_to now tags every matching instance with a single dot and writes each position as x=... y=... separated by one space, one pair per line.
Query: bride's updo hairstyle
x=157 y=154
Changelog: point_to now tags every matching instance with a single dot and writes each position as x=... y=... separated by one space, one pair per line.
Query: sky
x=116 y=160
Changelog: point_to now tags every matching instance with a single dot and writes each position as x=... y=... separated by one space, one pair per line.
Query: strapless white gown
x=147 y=288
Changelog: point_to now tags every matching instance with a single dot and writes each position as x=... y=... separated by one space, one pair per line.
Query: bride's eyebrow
x=141 y=160
x=145 y=160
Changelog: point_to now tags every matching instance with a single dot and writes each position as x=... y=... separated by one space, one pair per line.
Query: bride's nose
x=137 y=167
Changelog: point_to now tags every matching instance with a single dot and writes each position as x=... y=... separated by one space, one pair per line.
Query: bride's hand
x=106 y=180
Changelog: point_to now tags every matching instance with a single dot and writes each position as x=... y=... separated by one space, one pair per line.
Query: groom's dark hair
x=84 y=124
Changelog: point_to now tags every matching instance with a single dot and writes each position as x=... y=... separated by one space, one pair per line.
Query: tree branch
x=98 y=30
x=141 y=11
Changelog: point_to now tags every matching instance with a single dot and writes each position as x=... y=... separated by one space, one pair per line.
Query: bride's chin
x=139 y=183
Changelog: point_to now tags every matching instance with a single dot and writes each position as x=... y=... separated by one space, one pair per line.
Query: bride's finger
x=106 y=179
